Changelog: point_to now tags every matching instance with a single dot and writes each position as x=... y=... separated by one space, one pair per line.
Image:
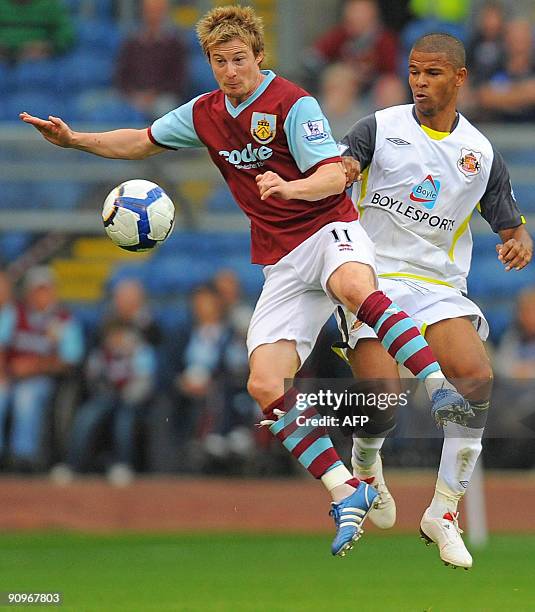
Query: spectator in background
x=486 y=48
x=238 y=312
x=361 y=41
x=129 y=306
x=151 y=69
x=510 y=93
x=340 y=98
x=203 y=344
x=34 y=29
x=120 y=375
x=515 y=357
x=39 y=341
x=388 y=91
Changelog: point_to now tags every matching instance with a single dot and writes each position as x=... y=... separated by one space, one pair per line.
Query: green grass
x=264 y=573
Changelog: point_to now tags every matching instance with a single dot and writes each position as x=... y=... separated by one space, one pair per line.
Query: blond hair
x=225 y=23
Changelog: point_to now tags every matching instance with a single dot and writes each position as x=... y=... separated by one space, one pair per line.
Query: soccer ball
x=138 y=215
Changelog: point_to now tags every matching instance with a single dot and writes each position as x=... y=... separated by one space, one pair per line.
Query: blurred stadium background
x=252 y=531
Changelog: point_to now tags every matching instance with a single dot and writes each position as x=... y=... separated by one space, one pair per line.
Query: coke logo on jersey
x=248 y=155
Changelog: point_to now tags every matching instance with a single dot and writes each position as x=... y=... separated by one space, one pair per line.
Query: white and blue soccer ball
x=138 y=215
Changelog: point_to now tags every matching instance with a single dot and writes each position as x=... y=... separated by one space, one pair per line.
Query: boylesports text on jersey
x=248 y=157
x=412 y=212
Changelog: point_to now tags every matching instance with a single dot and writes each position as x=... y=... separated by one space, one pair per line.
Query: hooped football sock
x=310 y=444
x=398 y=333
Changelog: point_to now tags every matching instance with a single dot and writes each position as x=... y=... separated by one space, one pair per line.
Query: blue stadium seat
x=42 y=75
x=6 y=78
x=102 y=107
x=250 y=276
x=211 y=243
x=83 y=70
x=177 y=274
x=221 y=200
x=98 y=36
x=489 y=280
x=499 y=317
x=13 y=245
x=60 y=195
x=201 y=77
x=15 y=195
x=36 y=103
x=525 y=196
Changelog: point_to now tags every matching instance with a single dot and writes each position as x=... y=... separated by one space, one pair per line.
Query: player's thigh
x=271 y=365
x=462 y=356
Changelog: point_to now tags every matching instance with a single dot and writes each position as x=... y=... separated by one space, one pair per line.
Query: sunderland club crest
x=469 y=162
x=263 y=127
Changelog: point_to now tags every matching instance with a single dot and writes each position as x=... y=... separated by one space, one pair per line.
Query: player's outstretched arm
x=116 y=144
x=516 y=249
x=327 y=180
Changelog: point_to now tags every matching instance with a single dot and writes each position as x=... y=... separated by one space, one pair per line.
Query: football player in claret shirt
x=425 y=169
x=273 y=146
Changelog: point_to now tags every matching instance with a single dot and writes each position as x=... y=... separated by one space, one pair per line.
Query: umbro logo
x=399 y=141
x=463 y=483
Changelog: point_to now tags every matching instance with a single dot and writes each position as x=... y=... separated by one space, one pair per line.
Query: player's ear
x=462 y=73
x=260 y=58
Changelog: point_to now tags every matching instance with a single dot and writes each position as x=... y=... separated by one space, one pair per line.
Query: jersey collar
x=433 y=133
x=234 y=111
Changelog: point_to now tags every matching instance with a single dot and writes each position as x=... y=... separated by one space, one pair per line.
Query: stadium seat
x=13 y=245
x=42 y=75
x=98 y=36
x=201 y=77
x=82 y=70
x=58 y=194
x=36 y=103
x=102 y=107
x=221 y=200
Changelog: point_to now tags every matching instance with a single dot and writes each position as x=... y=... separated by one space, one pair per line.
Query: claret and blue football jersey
x=279 y=128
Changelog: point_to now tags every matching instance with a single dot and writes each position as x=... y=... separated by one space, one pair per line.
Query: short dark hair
x=440 y=42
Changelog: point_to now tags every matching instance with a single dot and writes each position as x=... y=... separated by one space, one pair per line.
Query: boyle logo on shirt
x=314 y=131
x=426 y=192
x=263 y=127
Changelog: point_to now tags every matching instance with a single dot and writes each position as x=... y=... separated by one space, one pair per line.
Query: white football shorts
x=425 y=303
x=295 y=303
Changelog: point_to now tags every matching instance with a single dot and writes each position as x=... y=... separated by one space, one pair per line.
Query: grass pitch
x=237 y=573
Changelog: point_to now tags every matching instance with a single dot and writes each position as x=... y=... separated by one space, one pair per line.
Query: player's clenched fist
x=352 y=170
x=514 y=254
x=54 y=130
x=270 y=183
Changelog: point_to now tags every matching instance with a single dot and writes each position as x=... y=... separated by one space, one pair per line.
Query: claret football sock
x=293 y=424
x=401 y=338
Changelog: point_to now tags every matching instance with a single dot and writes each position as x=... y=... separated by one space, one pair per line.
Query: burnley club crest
x=263 y=127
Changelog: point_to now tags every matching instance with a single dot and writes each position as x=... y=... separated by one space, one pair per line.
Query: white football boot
x=446 y=534
x=383 y=512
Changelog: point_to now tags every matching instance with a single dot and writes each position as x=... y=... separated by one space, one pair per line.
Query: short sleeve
x=359 y=142
x=498 y=205
x=176 y=129
x=309 y=135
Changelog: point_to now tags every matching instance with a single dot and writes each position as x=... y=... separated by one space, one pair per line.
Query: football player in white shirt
x=422 y=170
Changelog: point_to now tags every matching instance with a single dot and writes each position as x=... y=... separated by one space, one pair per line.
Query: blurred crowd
x=129 y=397
x=354 y=67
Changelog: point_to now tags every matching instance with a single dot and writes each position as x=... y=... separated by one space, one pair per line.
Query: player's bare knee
x=262 y=389
x=476 y=382
x=352 y=283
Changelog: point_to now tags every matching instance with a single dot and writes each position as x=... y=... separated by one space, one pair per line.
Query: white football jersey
x=418 y=193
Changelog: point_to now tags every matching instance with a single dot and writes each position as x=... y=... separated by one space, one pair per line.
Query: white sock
x=365 y=451
x=435 y=381
x=460 y=451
